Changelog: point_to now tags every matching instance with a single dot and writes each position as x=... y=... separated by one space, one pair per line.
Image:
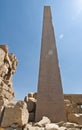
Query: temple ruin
x=47 y=109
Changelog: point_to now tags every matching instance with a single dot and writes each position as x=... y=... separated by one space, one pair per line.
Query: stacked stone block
x=30 y=100
x=73 y=103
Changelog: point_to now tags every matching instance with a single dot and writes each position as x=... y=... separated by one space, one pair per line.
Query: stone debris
x=70 y=125
x=51 y=126
x=60 y=123
x=43 y=122
x=62 y=128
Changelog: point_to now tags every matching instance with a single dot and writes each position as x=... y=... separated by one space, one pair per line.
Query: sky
x=21 y=29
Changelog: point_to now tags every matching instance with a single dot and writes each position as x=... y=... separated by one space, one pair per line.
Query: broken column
x=50 y=100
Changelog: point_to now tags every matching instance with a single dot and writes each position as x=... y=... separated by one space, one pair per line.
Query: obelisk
x=50 y=100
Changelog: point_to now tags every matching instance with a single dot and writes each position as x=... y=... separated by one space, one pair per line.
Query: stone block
x=31 y=104
x=62 y=128
x=35 y=95
x=43 y=122
x=30 y=95
x=51 y=126
x=70 y=125
x=76 y=118
x=31 y=117
x=15 y=114
x=73 y=129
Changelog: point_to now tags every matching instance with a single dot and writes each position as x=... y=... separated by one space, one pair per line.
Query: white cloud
x=61 y=36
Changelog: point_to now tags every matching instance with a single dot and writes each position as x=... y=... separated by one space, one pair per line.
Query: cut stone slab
x=15 y=113
x=50 y=99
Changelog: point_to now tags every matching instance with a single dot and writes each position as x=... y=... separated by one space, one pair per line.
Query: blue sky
x=21 y=30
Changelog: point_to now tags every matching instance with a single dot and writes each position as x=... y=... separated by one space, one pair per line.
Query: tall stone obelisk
x=50 y=100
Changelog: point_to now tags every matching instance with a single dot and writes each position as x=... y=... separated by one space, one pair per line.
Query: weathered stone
x=66 y=101
x=19 y=128
x=1 y=112
x=3 y=103
x=4 y=48
x=15 y=125
x=26 y=99
x=31 y=104
x=43 y=122
x=74 y=98
x=6 y=94
x=60 y=123
x=51 y=126
x=30 y=127
x=34 y=128
x=8 y=63
x=50 y=100
x=62 y=128
x=30 y=95
x=31 y=117
x=76 y=118
x=73 y=129
x=14 y=62
x=9 y=128
x=70 y=125
x=1 y=128
x=35 y=95
x=15 y=114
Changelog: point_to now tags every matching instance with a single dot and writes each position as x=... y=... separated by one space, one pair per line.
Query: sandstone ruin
x=21 y=115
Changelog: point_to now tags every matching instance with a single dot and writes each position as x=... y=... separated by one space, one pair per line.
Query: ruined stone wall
x=73 y=107
x=8 y=63
x=13 y=114
x=74 y=98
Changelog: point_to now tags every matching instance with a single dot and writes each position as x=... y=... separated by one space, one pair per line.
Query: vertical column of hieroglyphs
x=50 y=100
